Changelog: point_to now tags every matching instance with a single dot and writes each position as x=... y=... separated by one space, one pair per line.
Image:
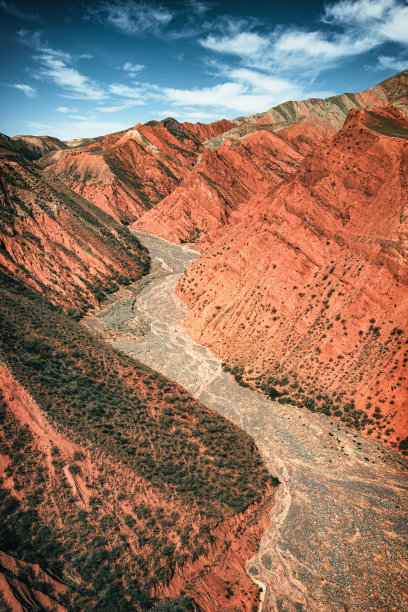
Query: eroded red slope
x=230 y=171
x=134 y=170
x=263 y=148
x=57 y=241
x=311 y=290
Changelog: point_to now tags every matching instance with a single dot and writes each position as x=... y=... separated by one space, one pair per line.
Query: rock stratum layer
x=308 y=297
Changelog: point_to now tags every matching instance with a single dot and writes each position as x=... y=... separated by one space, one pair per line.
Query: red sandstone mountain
x=263 y=149
x=310 y=293
x=57 y=241
x=129 y=172
x=225 y=177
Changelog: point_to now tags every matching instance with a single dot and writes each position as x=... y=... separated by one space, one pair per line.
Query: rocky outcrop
x=57 y=241
x=308 y=296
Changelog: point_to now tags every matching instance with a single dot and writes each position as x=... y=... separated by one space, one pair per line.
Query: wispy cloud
x=125 y=91
x=13 y=10
x=386 y=19
x=198 y=7
x=56 y=66
x=132 y=69
x=131 y=16
x=84 y=127
x=247 y=91
x=243 y=44
x=349 y=28
x=65 y=110
x=124 y=104
x=29 y=91
x=396 y=64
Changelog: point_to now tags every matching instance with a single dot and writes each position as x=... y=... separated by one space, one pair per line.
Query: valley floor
x=338 y=534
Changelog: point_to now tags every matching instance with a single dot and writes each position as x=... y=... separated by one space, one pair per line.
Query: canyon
x=325 y=547
x=203 y=356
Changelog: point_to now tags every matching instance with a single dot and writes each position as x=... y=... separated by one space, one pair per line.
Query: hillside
x=34 y=147
x=225 y=178
x=58 y=241
x=261 y=151
x=117 y=484
x=307 y=298
x=129 y=172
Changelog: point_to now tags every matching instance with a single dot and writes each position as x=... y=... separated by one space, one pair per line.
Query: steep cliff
x=307 y=298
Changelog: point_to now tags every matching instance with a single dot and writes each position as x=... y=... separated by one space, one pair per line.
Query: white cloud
x=129 y=67
x=248 y=91
x=65 y=109
x=26 y=89
x=357 y=11
x=245 y=44
x=132 y=69
x=395 y=64
x=125 y=104
x=298 y=48
x=395 y=28
x=57 y=66
x=349 y=29
x=75 y=85
x=385 y=19
x=127 y=92
x=132 y=16
x=83 y=128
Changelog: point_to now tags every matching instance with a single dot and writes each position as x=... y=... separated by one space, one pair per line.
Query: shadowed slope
x=56 y=240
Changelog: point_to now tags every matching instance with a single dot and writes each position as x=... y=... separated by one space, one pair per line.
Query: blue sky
x=76 y=69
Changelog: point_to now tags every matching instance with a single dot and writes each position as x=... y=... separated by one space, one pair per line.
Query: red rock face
x=57 y=241
x=129 y=172
x=313 y=285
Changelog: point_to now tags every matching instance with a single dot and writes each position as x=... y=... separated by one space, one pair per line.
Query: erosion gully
x=337 y=538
